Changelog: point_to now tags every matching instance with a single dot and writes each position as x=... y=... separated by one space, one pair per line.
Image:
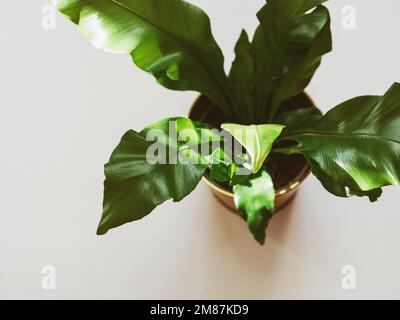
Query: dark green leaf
x=299 y=117
x=255 y=202
x=355 y=148
x=242 y=79
x=222 y=167
x=134 y=186
x=170 y=39
x=287 y=48
x=338 y=188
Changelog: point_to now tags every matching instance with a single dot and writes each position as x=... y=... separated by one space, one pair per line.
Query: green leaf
x=288 y=46
x=222 y=167
x=337 y=187
x=256 y=203
x=142 y=173
x=299 y=117
x=355 y=148
x=170 y=39
x=256 y=139
x=242 y=79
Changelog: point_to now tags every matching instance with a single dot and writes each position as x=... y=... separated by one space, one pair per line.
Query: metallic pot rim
x=292 y=185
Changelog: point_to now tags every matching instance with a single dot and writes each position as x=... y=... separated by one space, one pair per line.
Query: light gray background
x=63 y=108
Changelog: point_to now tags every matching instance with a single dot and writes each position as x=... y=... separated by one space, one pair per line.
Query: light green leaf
x=170 y=39
x=256 y=139
x=256 y=203
x=287 y=47
x=142 y=174
x=355 y=148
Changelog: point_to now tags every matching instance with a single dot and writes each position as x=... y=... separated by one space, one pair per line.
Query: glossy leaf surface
x=142 y=174
x=170 y=39
x=287 y=48
x=243 y=81
x=299 y=117
x=255 y=202
x=355 y=148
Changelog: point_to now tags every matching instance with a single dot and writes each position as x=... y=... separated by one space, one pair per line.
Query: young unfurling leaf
x=256 y=139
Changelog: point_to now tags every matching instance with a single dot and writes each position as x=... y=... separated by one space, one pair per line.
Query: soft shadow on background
x=235 y=265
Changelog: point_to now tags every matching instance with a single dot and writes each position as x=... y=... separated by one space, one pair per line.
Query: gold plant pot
x=283 y=195
x=203 y=110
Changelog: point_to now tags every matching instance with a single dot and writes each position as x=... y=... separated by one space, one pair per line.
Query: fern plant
x=354 y=149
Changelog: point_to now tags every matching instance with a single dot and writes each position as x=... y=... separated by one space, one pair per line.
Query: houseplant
x=172 y=40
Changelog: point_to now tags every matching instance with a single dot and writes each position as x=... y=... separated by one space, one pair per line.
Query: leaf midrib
x=339 y=135
x=219 y=86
